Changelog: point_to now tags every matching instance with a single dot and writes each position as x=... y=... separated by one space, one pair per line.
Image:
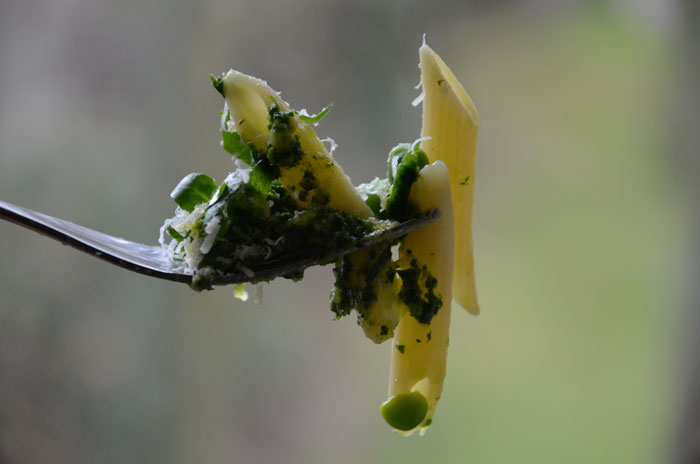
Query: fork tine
x=152 y=260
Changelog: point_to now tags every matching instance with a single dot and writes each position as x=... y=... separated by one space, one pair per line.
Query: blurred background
x=585 y=212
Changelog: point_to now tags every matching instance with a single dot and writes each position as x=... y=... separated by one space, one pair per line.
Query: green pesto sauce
x=418 y=292
x=356 y=280
x=284 y=149
x=260 y=221
x=405 y=411
x=271 y=226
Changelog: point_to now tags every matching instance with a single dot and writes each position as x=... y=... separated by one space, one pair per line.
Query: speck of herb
x=465 y=181
x=218 y=84
x=429 y=335
x=175 y=234
x=401 y=348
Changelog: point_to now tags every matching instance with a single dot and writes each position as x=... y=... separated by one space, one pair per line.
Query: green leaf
x=175 y=234
x=220 y=194
x=260 y=180
x=404 y=164
x=395 y=156
x=316 y=118
x=218 y=84
x=193 y=190
x=374 y=203
x=234 y=144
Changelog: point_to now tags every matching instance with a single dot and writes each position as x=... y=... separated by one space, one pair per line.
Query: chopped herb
x=404 y=165
x=374 y=203
x=175 y=234
x=234 y=144
x=308 y=182
x=193 y=190
x=284 y=149
x=418 y=292
x=320 y=199
x=383 y=330
x=316 y=118
x=201 y=282
x=440 y=82
x=357 y=278
x=218 y=84
x=401 y=348
x=429 y=335
x=465 y=181
x=220 y=194
x=260 y=179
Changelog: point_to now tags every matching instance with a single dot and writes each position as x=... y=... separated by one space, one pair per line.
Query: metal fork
x=152 y=260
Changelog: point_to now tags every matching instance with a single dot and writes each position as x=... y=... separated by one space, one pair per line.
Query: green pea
x=405 y=411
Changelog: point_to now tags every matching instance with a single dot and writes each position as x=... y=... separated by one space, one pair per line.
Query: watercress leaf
x=234 y=144
x=220 y=194
x=260 y=180
x=192 y=190
x=374 y=203
x=314 y=119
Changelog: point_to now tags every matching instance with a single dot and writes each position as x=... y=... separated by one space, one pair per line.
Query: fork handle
x=132 y=256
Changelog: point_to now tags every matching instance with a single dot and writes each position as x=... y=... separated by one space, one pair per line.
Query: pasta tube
x=248 y=103
x=451 y=127
x=419 y=354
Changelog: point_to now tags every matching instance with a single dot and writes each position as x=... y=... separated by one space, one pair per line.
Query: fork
x=153 y=261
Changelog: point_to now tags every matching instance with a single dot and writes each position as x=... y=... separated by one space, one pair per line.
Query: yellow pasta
x=451 y=122
x=289 y=174
x=449 y=135
x=248 y=100
x=419 y=354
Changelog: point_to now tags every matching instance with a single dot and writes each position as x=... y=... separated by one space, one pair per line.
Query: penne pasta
x=451 y=127
x=419 y=354
x=248 y=100
x=288 y=199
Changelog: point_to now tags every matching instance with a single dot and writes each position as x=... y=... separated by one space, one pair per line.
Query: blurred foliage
x=579 y=234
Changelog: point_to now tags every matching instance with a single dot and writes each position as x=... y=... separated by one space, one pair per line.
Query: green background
x=581 y=233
